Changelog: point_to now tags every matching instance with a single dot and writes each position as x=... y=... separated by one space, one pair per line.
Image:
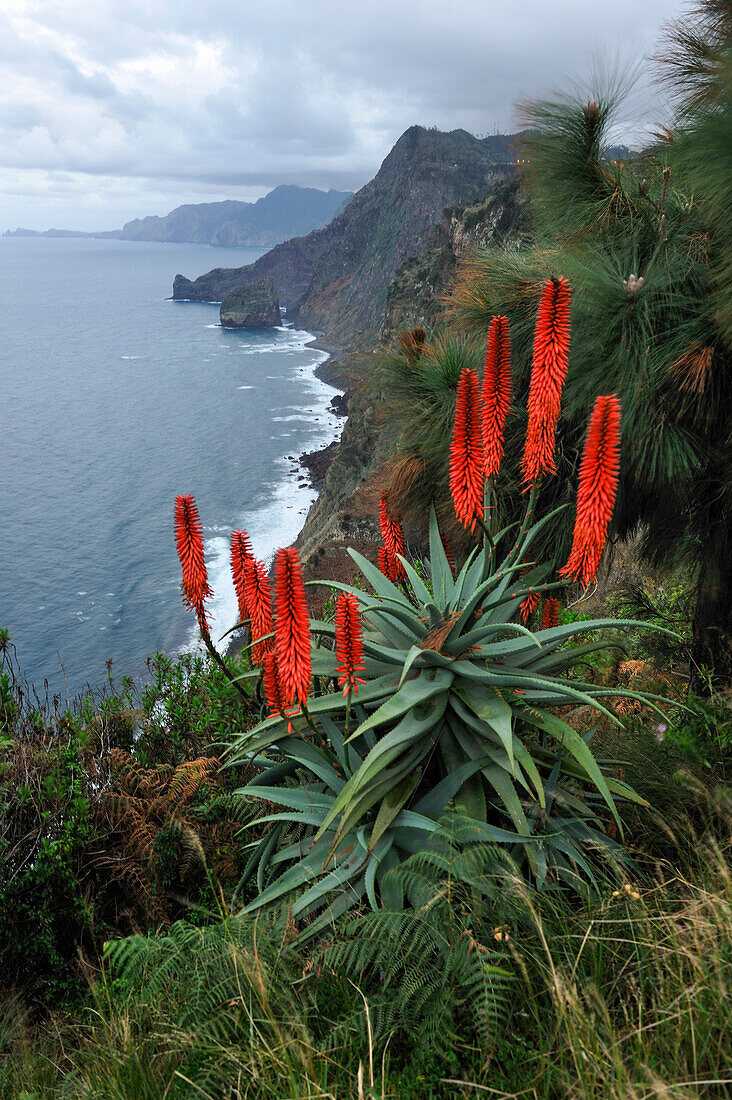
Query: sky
x=114 y=109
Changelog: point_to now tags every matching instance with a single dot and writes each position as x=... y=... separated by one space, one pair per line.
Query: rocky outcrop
x=290 y=266
x=252 y=306
x=317 y=463
x=414 y=298
x=336 y=279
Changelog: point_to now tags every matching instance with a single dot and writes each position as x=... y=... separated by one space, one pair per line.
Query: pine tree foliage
x=647 y=247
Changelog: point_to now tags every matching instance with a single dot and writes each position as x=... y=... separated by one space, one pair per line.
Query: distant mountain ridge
x=287 y=211
x=336 y=279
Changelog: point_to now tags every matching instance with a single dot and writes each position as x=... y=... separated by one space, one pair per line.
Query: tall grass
x=631 y=1002
x=626 y=1000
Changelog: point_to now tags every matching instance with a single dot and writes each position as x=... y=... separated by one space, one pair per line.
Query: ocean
x=113 y=400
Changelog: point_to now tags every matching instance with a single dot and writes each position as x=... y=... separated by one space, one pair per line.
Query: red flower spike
x=550 y=613
x=496 y=392
x=189 y=543
x=272 y=687
x=548 y=372
x=448 y=552
x=348 y=643
x=598 y=483
x=529 y=606
x=258 y=595
x=383 y=562
x=292 y=628
x=393 y=536
x=241 y=554
x=466 y=451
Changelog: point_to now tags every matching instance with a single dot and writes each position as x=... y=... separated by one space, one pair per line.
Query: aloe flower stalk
x=548 y=372
x=258 y=594
x=189 y=543
x=393 y=536
x=598 y=483
x=496 y=392
x=529 y=606
x=272 y=687
x=466 y=451
x=292 y=627
x=550 y=613
x=241 y=555
x=348 y=643
x=383 y=562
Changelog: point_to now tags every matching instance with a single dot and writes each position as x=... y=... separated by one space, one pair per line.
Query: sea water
x=113 y=400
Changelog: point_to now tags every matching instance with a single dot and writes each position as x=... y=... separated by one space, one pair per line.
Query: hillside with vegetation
x=454 y=821
x=287 y=211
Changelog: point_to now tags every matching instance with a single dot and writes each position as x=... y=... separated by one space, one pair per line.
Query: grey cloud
x=97 y=84
x=184 y=97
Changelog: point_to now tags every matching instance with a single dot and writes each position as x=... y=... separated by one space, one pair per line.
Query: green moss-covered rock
x=254 y=305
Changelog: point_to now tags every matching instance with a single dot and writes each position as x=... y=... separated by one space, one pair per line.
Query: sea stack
x=254 y=305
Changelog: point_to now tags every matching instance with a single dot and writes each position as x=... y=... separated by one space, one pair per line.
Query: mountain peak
x=335 y=279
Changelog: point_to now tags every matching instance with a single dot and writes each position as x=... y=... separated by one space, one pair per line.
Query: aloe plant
x=458 y=714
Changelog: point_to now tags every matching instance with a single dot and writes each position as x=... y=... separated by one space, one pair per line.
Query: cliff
x=413 y=297
x=336 y=279
x=286 y=212
x=345 y=512
x=252 y=306
x=289 y=265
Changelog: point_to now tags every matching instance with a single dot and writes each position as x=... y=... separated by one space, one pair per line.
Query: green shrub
x=97 y=839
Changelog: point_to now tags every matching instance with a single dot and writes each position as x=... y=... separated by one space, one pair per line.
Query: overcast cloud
x=113 y=109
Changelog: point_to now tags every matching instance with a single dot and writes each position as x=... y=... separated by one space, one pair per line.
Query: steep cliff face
x=345 y=512
x=336 y=279
x=289 y=265
x=414 y=295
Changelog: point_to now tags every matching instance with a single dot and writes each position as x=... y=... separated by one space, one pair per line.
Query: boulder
x=254 y=305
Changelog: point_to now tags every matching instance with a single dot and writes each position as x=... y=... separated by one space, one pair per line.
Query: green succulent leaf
x=442 y=579
x=429 y=682
x=491 y=708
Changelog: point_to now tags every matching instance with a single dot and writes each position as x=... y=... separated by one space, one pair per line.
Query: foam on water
x=280 y=517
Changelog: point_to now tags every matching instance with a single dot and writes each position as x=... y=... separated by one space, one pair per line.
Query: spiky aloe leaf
x=491 y=709
x=441 y=573
x=433 y=681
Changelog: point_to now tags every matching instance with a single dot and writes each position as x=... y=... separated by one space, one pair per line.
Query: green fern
x=227 y=993
x=432 y=973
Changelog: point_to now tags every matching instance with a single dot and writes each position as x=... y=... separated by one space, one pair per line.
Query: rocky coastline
x=380 y=267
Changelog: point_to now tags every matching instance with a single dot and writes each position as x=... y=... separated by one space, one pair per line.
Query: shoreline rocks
x=317 y=463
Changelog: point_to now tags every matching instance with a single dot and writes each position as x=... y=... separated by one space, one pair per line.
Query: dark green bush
x=114 y=817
